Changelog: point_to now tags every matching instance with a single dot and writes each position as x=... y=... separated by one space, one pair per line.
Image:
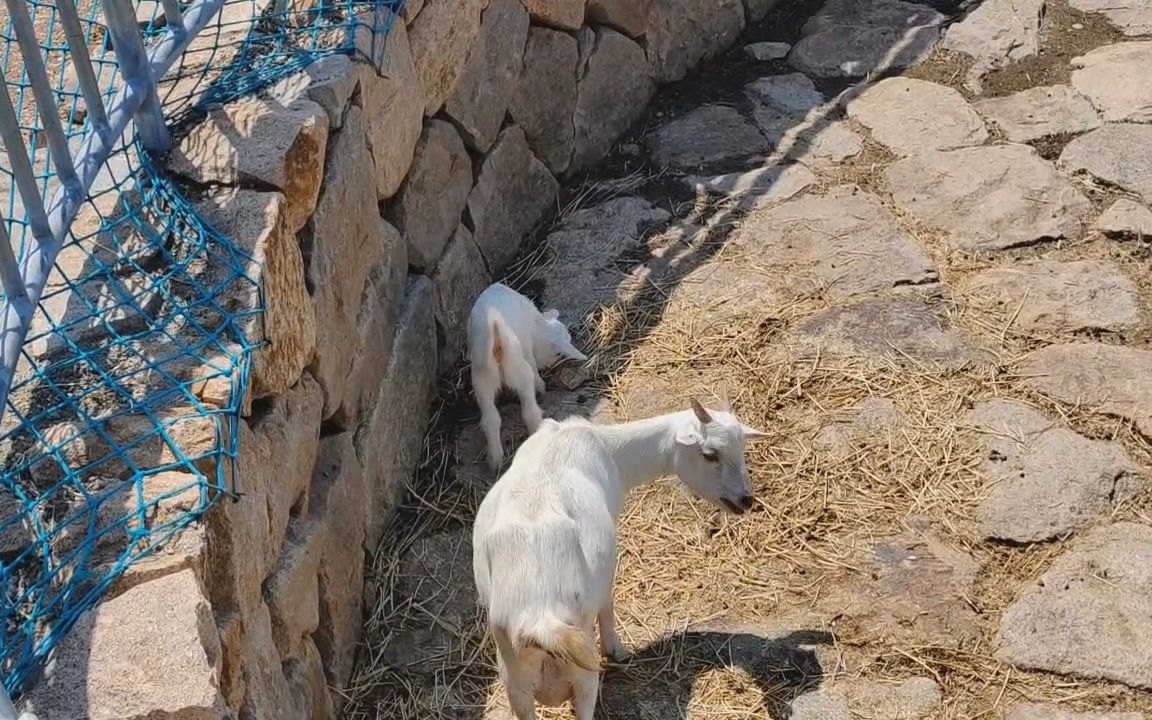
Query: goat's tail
x=564 y=642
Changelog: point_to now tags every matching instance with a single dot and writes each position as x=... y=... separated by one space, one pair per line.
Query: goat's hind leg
x=485 y=385
x=522 y=377
x=585 y=689
x=519 y=681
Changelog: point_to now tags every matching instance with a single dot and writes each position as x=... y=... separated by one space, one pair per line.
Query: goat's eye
x=710 y=456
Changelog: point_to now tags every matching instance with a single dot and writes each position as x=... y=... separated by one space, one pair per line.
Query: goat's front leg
x=540 y=387
x=610 y=645
x=585 y=689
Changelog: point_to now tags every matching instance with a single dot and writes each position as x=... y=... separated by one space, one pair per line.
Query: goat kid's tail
x=564 y=642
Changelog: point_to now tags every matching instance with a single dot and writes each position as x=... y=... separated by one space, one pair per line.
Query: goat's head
x=558 y=342
x=709 y=457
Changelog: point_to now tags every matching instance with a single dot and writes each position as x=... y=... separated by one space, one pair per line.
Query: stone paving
x=936 y=300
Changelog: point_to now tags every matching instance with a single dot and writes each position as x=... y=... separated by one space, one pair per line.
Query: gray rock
x=757 y=10
x=997 y=32
x=989 y=198
x=544 y=100
x=512 y=193
x=765 y=51
x=616 y=69
x=1036 y=711
x=900 y=328
x=393 y=103
x=1133 y=17
x=1032 y=114
x=1090 y=614
x=681 y=34
x=628 y=16
x=874 y=416
x=795 y=119
x=705 y=136
x=912 y=116
x=1046 y=480
x=562 y=14
x=427 y=209
x=1114 y=78
x=820 y=705
x=1107 y=379
x=842 y=244
x=442 y=37
x=332 y=81
x=1053 y=296
x=1118 y=154
x=793 y=94
x=460 y=278
x=1126 y=218
x=911 y=699
x=871 y=13
x=853 y=38
x=488 y=80
x=756 y=188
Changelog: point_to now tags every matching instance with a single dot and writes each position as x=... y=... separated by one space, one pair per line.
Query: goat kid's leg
x=522 y=377
x=540 y=387
x=485 y=385
x=610 y=645
x=585 y=689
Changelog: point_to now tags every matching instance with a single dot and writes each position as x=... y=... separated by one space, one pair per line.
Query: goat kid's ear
x=701 y=414
x=751 y=433
x=551 y=314
x=689 y=436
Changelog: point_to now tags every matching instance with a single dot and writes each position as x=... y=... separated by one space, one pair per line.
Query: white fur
x=544 y=541
x=528 y=341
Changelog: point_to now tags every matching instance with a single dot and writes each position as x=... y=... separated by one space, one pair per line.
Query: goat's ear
x=689 y=436
x=751 y=433
x=701 y=414
x=551 y=314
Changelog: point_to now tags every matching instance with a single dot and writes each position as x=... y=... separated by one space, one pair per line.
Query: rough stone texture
x=442 y=37
x=1126 y=218
x=910 y=699
x=1114 y=77
x=262 y=140
x=682 y=33
x=1045 y=480
x=757 y=10
x=615 y=69
x=171 y=671
x=1090 y=614
x=544 y=100
x=586 y=245
x=1119 y=154
x=628 y=16
x=512 y=192
x=765 y=51
x=1036 y=711
x=348 y=236
x=989 y=198
x=460 y=278
x=430 y=202
x=375 y=326
x=394 y=105
x=793 y=93
x=842 y=244
x=820 y=705
x=1032 y=114
x=998 y=32
x=874 y=416
x=1052 y=296
x=292 y=593
x=1133 y=17
x=704 y=136
x=331 y=82
x=257 y=223
x=757 y=188
x=562 y=14
x=337 y=505
x=266 y=695
x=307 y=684
x=1103 y=378
x=387 y=449
x=853 y=38
x=912 y=116
x=893 y=328
x=489 y=77
x=792 y=114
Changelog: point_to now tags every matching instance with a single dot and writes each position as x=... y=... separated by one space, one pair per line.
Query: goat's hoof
x=616 y=656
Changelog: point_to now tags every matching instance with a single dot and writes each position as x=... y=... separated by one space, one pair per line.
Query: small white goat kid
x=544 y=542
x=509 y=341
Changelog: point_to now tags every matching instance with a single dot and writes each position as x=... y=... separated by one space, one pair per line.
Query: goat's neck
x=643 y=449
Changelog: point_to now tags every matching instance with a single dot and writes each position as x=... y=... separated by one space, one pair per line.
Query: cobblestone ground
x=933 y=290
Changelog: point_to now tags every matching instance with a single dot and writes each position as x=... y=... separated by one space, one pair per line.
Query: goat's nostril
x=747 y=502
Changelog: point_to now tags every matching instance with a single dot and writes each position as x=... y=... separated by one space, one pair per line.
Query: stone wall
x=377 y=199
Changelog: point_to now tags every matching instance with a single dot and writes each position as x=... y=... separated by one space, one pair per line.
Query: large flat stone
x=169 y=668
x=1126 y=218
x=489 y=77
x=793 y=94
x=616 y=68
x=989 y=198
x=842 y=244
x=1118 y=154
x=854 y=38
x=1102 y=378
x=1036 y=711
x=442 y=37
x=1045 y=480
x=1133 y=17
x=872 y=418
x=460 y=278
x=1090 y=614
x=543 y=102
x=681 y=34
x=705 y=136
x=1114 y=77
x=1053 y=296
x=393 y=102
x=912 y=116
x=1032 y=114
x=257 y=223
x=513 y=191
x=794 y=117
x=997 y=32
x=757 y=188
x=428 y=207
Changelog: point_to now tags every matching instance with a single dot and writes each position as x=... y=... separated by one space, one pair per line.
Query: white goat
x=509 y=341
x=544 y=542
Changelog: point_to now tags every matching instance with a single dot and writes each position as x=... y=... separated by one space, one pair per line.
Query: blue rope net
x=124 y=412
